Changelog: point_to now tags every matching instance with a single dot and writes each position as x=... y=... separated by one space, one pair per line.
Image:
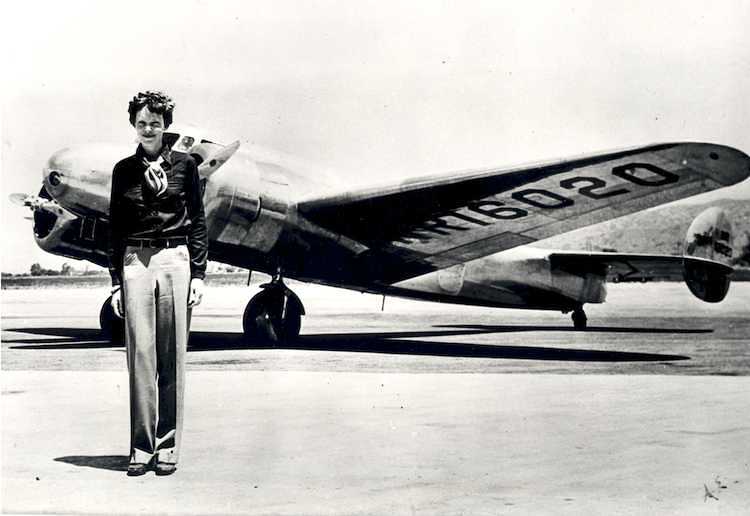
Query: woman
x=157 y=255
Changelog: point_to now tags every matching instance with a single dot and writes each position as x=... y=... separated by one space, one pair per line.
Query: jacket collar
x=165 y=153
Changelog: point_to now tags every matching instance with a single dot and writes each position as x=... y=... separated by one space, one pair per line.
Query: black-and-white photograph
x=364 y=258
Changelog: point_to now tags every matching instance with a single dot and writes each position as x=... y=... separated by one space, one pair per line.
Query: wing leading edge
x=426 y=224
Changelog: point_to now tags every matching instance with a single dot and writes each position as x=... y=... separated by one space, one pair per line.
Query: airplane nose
x=58 y=171
x=79 y=177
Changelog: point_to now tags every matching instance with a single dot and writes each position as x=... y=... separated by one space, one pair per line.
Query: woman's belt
x=158 y=243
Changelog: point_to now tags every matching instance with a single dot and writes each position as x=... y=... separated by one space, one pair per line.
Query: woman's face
x=150 y=128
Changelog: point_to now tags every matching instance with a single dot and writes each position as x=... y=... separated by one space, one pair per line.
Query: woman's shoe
x=165 y=468
x=136 y=469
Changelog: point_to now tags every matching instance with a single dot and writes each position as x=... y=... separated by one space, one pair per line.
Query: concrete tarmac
x=408 y=411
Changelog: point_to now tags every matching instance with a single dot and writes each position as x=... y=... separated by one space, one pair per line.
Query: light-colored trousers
x=155 y=286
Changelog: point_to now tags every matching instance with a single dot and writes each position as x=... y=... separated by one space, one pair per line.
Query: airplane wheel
x=263 y=323
x=112 y=327
x=579 y=319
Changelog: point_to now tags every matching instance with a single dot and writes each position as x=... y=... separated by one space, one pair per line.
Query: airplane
x=457 y=238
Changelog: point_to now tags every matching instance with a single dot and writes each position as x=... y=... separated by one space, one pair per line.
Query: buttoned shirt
x=137 y=212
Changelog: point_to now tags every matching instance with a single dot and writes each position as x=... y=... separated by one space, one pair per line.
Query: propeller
x=19 y=198
x=33 y=202
x=214 y=161
x=22 y=199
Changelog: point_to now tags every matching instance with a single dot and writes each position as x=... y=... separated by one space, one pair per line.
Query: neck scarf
x=155 y=175
x=156 y=179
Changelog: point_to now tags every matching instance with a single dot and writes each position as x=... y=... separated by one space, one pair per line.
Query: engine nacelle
x=520 y=277
x=710 y=238
x=60 y=232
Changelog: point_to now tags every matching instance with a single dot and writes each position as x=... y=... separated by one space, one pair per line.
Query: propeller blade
x=217 y=159
x=33 y=202
x=21 y=199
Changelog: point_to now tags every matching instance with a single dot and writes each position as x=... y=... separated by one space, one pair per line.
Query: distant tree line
x=38 y=270
x=65 y=270
x=68 y=270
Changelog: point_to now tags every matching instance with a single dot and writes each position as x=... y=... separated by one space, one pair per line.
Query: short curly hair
x=156 y=101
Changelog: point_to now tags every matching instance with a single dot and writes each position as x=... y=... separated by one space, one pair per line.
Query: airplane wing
x=632 y=267
x=431 y=223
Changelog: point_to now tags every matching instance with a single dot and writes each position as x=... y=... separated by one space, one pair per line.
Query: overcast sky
x=372 y=90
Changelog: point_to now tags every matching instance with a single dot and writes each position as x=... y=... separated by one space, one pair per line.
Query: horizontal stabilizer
x=632 y=267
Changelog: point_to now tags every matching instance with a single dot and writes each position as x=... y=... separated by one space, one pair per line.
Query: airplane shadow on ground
x=383 y=342
x=62 y=338
x=110 y=462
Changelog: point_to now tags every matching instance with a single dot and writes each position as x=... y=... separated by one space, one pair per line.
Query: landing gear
x=274 y=315
x=113 y=328
x=579 y=318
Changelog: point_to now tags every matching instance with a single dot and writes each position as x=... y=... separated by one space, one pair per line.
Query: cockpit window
x=179 y=142
x=184 y=143
x=187 y=142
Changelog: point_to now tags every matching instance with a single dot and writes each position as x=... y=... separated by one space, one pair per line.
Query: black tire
x=579 y=319
x=262 y=322
x=112 y=327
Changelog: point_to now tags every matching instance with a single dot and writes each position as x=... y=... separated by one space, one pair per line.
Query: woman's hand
x=196 y=292
x=117 y=303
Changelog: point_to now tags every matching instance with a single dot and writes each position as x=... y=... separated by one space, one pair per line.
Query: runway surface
x=409 y=410
x=642 y=329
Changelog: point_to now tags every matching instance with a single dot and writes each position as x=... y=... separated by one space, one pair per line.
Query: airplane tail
x=709 y=238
